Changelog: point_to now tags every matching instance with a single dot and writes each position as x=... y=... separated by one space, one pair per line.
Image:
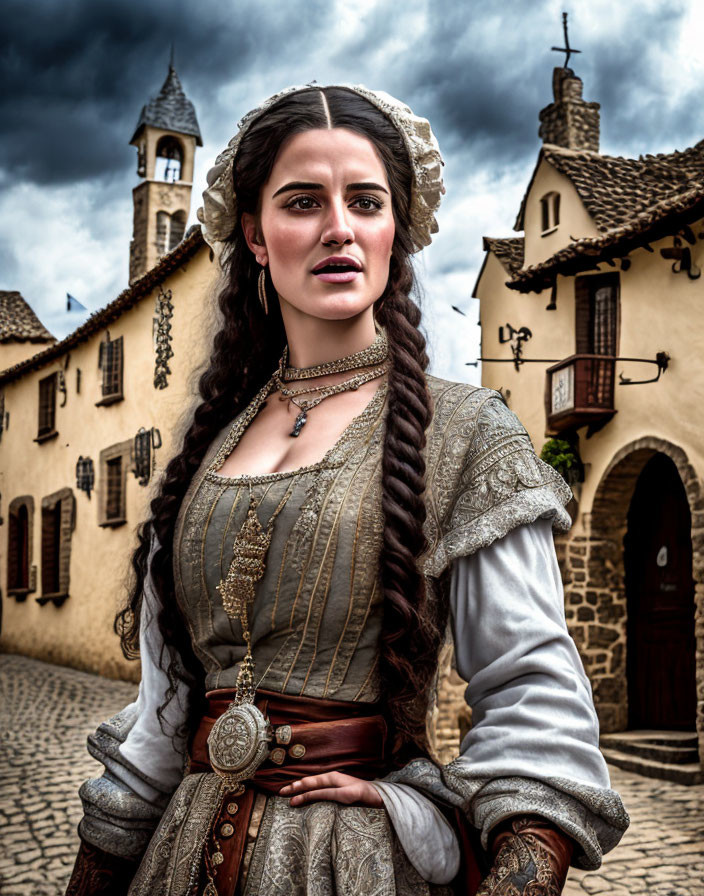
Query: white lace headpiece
x=218 y=215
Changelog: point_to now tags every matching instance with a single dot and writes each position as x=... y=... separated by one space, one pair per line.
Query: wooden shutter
x=544 y=214
x=112 y=365
x=13 y=550
x=113 y=500
x=583 y=322
x=47 y=405
x=51 y=547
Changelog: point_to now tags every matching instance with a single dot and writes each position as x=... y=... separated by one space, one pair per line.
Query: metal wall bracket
x=662 y=359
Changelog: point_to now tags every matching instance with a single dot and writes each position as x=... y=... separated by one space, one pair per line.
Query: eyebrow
x=304 y=185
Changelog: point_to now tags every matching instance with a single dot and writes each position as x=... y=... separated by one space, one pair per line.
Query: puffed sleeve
x=484 y=478
x=534 y=742
x=143 y=763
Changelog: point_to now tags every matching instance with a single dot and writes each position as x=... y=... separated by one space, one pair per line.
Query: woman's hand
x=332 y=786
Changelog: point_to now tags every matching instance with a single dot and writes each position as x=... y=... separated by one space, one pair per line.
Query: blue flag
x=72 y=303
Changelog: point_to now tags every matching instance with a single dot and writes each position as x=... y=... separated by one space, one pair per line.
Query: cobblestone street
x=47 y=711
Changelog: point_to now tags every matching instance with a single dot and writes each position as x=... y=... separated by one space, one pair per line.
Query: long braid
x=410 y=640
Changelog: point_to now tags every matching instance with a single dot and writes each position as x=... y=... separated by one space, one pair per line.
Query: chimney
x=569 y=121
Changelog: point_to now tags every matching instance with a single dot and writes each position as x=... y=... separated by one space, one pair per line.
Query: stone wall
x=592 y=567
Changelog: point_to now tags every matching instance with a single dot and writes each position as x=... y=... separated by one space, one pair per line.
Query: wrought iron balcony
x=579 y=390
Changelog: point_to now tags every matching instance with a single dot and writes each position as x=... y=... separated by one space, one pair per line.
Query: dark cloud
x=75 y=74
x=483 y=74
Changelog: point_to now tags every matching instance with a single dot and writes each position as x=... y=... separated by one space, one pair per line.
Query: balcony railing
x=579 y=390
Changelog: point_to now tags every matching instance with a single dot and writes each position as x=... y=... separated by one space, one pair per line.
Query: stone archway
x=593 y=569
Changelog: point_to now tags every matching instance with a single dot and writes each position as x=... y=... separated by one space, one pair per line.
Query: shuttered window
x=112 y=367
x=113 y=501
x=47 y=406
x=111 y=362
x=57 y=521
x=18 y=549
x=51 y=549
x=597 y=314
x=115 y=462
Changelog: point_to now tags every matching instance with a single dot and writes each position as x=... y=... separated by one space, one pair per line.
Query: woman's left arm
x=533 y=749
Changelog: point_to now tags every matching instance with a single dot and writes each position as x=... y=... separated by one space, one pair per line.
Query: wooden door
x=660 y=595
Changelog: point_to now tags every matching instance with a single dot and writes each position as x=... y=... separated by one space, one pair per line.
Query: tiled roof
x=18 y=323
x=509 y=251
x=669 y=216
x=171 y=110
x=614 y=189
x=103 y=318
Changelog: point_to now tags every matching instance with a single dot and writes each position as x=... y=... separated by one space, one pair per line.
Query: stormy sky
x=76 y=73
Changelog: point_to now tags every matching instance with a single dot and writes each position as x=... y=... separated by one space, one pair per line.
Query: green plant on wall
x=564 y=458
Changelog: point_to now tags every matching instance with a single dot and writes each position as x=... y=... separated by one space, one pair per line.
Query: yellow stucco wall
x=575 y=222
x=660 y=311
x=12 y=352
x=79 y=633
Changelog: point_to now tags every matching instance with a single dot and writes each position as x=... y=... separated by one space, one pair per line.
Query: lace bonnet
x=218 y=214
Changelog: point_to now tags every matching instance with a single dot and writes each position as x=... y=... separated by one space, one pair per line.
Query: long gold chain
x=237 y=589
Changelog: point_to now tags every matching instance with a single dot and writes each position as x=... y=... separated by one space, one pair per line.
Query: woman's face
x=326 y=226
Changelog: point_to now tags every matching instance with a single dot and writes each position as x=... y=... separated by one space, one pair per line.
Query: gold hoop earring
x=261 y=286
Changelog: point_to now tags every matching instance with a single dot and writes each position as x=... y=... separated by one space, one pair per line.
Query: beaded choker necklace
x=375 y=356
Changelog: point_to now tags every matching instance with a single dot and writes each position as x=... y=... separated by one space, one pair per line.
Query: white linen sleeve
x=143 y=763
x=424 y=833
x=534 y=742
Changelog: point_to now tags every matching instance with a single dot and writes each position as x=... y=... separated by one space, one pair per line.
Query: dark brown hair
x=246 y=349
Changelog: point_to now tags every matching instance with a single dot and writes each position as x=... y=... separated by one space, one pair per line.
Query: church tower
x=166 y=137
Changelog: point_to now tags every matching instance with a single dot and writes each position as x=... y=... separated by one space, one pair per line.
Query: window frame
x=106 y=363
x=585 y=288
x=62 y=506
x=124 y=451
x=14 y=588
x=549 y=213
x=47 y=383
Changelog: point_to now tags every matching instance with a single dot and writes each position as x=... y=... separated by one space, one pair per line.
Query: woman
x=304 y=559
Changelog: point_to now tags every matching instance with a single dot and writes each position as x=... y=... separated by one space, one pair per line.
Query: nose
x=337 y=229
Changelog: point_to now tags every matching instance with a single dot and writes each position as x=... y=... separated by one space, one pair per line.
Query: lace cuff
x=595 y=818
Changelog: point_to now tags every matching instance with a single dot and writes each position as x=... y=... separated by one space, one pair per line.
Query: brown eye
x=302 y=203
x=368 y=203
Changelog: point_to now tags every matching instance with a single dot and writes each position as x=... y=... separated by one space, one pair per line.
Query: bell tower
x=166 y=137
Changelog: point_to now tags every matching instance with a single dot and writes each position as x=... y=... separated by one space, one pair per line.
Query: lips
x=337 y=269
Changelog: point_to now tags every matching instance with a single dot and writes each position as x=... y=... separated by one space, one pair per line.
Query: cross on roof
x=567 y=48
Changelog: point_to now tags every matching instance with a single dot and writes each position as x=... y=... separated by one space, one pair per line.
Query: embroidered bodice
x=317 y=613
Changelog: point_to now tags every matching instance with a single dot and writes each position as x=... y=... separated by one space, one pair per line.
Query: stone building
x=590 y=330
x=166 y=137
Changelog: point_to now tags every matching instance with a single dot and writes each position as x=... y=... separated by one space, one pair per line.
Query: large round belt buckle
x=239 y=743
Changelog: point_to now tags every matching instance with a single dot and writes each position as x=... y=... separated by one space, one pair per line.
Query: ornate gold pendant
x=239 y=743
x=249 y=552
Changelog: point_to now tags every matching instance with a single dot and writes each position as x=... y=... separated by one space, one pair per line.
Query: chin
x=335 y=307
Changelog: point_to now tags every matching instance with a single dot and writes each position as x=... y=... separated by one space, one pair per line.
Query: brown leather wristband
x=98 y=873
x=531 y=856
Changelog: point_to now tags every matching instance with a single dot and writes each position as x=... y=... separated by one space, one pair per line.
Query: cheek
x=380 y=241
x=287 y=240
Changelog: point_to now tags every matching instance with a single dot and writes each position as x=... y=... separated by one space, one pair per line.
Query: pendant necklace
x=239 y=740
x=376 y=354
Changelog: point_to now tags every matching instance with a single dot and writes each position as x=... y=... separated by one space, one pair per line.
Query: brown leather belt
x=311 y=736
